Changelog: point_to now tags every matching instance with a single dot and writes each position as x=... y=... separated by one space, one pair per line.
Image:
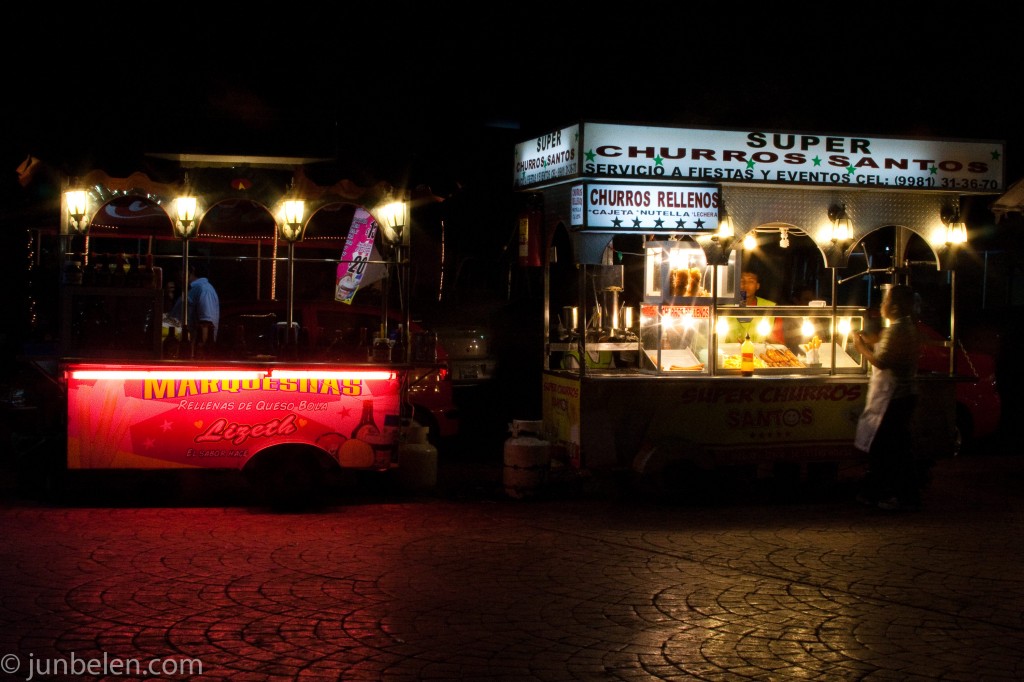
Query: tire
x=287 y=478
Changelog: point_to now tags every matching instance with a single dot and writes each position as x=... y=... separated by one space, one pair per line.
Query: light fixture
x=722 y=327
x=77 y=203
x=750 y=240
x=185 y=227
x=292 y=224
x=783 y=238
x=842 y=228
x=956 y=233
x=956 y=229
x=394 y=219
x=725 y=229
x=293 y=214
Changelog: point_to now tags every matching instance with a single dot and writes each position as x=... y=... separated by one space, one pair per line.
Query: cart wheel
x=287 y=477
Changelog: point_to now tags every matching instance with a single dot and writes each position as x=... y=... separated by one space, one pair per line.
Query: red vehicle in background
x=978 y=404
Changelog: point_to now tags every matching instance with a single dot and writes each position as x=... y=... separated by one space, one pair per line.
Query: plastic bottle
x=747 y=357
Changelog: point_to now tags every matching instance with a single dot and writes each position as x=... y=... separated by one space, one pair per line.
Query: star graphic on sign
x=166 y=426
x=617 y=222
x=590 y=155
x=995 y=155
x=850 y=170
x=658 y=161
x=816 y=160
x=699 y=224
x=636 y=222
x=750 y=164
x=148 y=443
x=680 y=222
x=659 y=223
x=933 y=170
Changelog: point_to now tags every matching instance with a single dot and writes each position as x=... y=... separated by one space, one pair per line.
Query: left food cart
x=268 y=393
x=645 y=233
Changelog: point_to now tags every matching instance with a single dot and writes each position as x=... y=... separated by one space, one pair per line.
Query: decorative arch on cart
x=236 y=205
x=807 y=209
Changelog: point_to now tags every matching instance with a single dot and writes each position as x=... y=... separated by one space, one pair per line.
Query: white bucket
x=527 y=461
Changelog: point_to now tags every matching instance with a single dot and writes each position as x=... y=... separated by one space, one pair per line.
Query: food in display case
x=780 y=356
x=679 y=269
x=686 y=282
x=678 y=334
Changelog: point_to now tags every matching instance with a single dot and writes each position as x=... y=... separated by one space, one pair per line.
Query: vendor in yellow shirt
x=739 y=327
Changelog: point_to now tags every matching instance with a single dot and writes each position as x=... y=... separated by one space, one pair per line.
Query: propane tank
x=527 y=459
x=417 y=460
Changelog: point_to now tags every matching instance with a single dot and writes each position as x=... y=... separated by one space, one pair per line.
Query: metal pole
x=952 y=322
x=546 y=362
x=405 y=267
x=291 y=293
x=835 y=324
x=713 y=332
x=186 y=341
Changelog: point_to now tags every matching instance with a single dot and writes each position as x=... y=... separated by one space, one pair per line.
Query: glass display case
x=677 y=271
x=687 y=322
x=601 y=333
x=675 y=338
x=790 y=338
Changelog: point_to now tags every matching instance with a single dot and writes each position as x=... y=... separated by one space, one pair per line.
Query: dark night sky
x=444 y=98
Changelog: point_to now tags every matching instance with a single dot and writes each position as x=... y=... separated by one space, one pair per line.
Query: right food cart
x=646 y=233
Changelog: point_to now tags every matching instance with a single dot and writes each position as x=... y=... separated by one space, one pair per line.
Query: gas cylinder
x=527 y=459
x=417 y=460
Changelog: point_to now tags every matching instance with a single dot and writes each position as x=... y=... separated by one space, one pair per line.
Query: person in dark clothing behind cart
x=884 y=427
x=203 y=308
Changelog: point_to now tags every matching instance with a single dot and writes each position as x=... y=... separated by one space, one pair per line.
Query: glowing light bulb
x=722 y=327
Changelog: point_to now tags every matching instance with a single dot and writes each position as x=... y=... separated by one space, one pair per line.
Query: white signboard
x=550 y=156
x=576 y=202
x=651 y=208
x=654 y=153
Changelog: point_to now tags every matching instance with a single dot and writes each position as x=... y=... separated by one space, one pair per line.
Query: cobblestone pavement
x=479 y=587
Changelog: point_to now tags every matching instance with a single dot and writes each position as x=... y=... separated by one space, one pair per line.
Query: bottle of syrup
x=747 y=357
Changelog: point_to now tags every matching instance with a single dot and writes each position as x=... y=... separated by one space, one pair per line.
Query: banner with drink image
x=356 y=256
